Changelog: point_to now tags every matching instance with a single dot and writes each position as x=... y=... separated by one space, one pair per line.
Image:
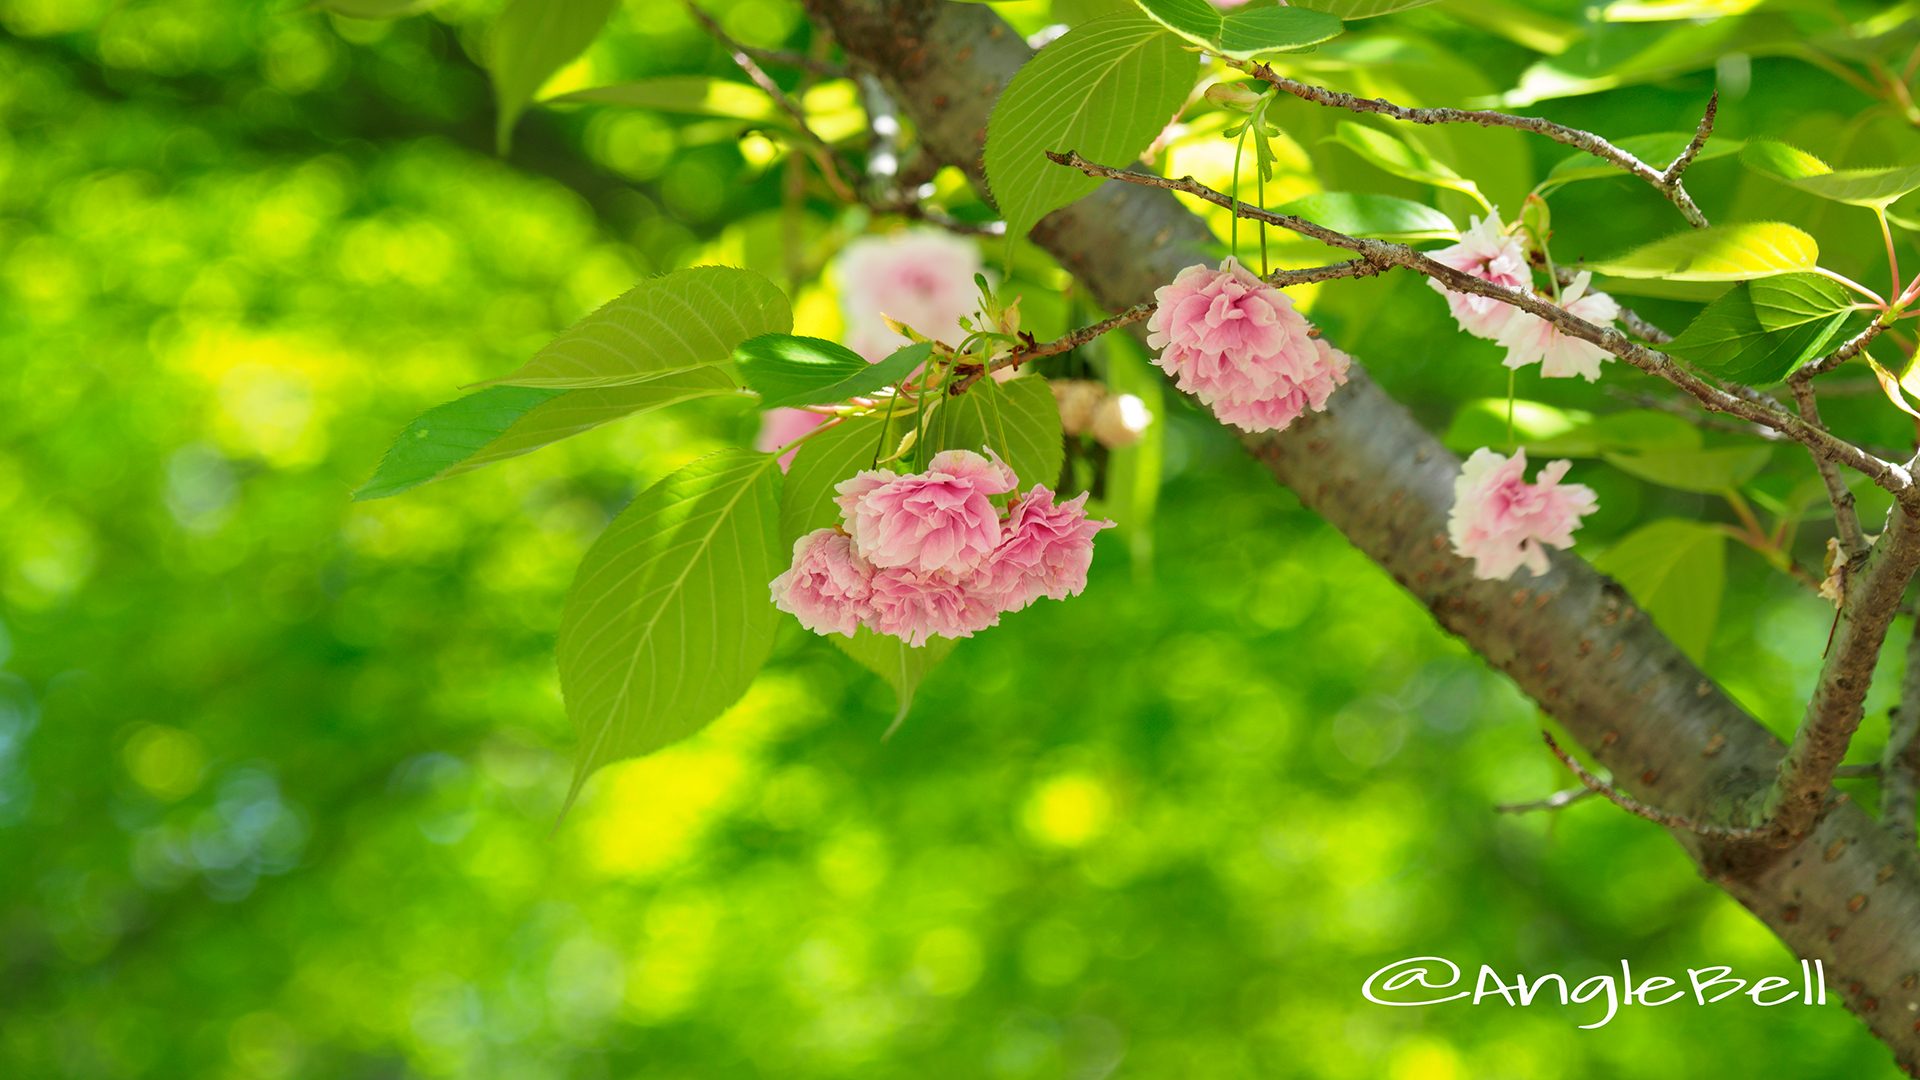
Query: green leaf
x=1017 y=419
x=1677 y=571
x=1105 y=89
x=1675 y=10
x=669 y=619
x=698 y=95
x=1244 y=32
x=1707 y=472
x=1760 y=331
x=1133 y=472
x=788 y=371
x=684 y=320
x=827 y=458
x=1658 y=150
x=375 y=9
x=1383 y=216
x=1875 y=188
x=1391 y=154
x=1361 y=9
x=1719 y=253
x=901 y=665
x=1545 y=431
x=530 y=41
x=506 y=421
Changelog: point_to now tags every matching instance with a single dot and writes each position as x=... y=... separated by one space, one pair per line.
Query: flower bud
x=1078 y=400
x=1233 y=95
x=1120 y=421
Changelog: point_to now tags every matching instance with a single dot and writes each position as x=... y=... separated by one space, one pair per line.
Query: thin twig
x=1279 y=279
x=1639 y=809
x=1848 y=349
x=1559 y=800
x=1695 y=144
x=1846 y=523
x=1667 y=181
x=1755 y=407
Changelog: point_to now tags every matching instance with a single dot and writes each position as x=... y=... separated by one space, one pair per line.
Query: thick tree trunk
x=1849 y=894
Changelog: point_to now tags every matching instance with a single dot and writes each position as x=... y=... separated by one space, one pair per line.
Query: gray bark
x=1847 y=894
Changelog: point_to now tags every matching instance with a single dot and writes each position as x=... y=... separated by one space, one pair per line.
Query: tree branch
x=1846 y=521
x=1900 y=763
x=1849 y=349
x=1641 y=810
x=1666 y=182
x=1798 y=796
x=1849 y=894
x=1755 y=407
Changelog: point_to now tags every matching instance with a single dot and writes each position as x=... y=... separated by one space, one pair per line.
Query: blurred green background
x=279 y=772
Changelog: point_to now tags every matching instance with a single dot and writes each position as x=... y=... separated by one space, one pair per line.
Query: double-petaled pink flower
x=1530 y=339
x=1486 y=251
x=1237 y=344
x=1502 y=522
x=929 y=553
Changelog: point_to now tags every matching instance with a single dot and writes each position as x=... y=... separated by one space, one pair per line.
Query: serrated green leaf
x=824 y=460
x=1676 y=570
x=1719 y=253
x=1382 y=216
x=1707 y=472
x=1760 y=331
x=1245 y=31
x=902 y=666
x=669 y=618
x=1105 y=89
x=1196 y=20
x=501 y=422
x=1658 y=150
x=697 y=95
x=786 y=370
x=1017 y=419
x=1392 y=154
x=530 y=41
x=1361 y=9
x=1874 y=188
x=677 y=322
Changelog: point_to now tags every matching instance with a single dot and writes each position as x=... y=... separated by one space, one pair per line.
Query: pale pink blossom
x=941 y=520
x=914 y=606
x=921 y=278
x=1237 y=344
x=779 y=427
x=1530 y=339
x=828 y=588
x=1047 y=551
x=1502 y=522
x=1487 y=252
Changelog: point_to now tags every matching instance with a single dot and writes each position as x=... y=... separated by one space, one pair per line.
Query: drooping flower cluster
x=1237 y=344
x=1502 y=522
x=1492 y=254
x=929 y=553
x=921 y=278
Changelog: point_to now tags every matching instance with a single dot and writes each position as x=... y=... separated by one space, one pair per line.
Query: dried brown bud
x=1120 y=420
x=1078 y=400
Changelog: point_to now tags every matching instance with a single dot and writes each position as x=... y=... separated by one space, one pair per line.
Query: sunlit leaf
x=500 y=422
x=678 y=322
x=1361 y=9
x=669 y=619
x=1384 y=216
x=1105 y=89
x=1708 y=472
x=1719 y=253
x=1676 y=570
x=1675 y=10
x=1395 y=155
x=1244 y=31
x=530 y=41
x=1760 y=331
x=1857 y=187
x=786 y=370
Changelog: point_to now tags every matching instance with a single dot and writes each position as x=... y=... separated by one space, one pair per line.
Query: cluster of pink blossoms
x=1502 y=522
x=1487 y=251
x=1236 y=343
x=929 y=553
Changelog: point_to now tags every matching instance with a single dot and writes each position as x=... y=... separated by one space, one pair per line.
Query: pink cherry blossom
x=1501 y=522
x=1530 y=339
x=828 y=588
x=1047 y=551
x=914 y=606
x=778 y=427
x=941 y=520
x=1237 y=344
x=1487 y=252
x=920 y=277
